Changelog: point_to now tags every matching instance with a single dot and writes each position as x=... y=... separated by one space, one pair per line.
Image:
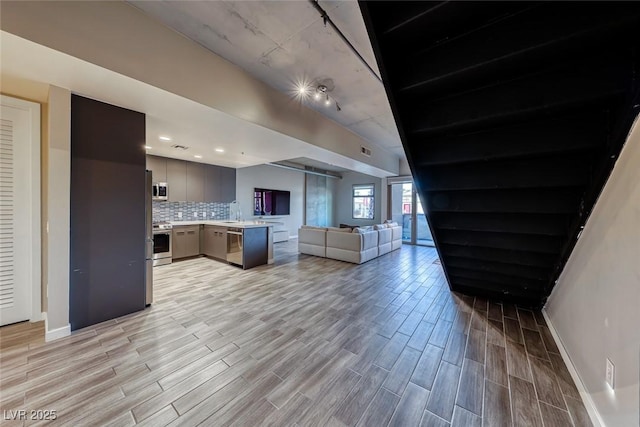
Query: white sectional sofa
x=357 y=246
x=312 y=241
x=352 y=247
x=384 y=240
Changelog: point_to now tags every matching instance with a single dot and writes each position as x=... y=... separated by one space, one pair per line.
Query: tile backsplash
x=170 y=211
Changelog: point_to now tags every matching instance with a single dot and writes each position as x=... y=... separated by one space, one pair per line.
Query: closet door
x=19 y=211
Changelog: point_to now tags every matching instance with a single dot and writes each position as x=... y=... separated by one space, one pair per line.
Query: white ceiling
x=283 y=43
x=316 y=164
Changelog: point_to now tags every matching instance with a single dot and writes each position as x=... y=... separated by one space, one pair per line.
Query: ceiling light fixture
x=165 y=138
x=148 y=147
x=197 y=156
x=219 y=150
x=322 y=92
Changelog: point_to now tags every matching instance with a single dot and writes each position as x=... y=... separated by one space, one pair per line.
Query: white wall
x=58 y=211
x=595 y=307
x=343 y=207
x=265 y=176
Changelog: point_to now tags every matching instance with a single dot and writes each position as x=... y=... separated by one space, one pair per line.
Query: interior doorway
x=406 y=209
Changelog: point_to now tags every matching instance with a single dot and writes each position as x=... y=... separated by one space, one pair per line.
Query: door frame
x=414 y=202
x=34 y=211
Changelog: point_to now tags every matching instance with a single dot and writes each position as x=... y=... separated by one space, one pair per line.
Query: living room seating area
x=356 y=245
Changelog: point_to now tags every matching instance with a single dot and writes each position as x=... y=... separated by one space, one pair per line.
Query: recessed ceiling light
x=165 y=138
x=197 y=156
x=148 y=147
x=219 y=150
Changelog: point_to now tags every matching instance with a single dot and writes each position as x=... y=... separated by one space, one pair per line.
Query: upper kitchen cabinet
x=195 y=182
x=219 y=184
x=177 y=180
x=227 y=184
x=158 y=167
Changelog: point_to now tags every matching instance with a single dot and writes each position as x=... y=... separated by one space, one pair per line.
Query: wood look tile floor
x=307 y=342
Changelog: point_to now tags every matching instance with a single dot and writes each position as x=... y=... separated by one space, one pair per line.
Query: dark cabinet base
x=255 y=250
x=213 y=244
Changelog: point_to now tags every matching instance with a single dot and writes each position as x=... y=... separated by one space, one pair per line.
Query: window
x=363 y=198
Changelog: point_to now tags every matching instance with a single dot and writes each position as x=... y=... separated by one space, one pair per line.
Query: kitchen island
x=246 y=244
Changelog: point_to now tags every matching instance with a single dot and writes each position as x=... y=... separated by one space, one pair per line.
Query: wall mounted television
x=267 y=202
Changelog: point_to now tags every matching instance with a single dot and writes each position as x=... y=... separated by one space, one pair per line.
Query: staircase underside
x=512 y=116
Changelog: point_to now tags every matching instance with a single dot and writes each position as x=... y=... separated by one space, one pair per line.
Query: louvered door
x=16 y=213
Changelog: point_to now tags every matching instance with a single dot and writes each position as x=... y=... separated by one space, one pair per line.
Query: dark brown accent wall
x=107 y=212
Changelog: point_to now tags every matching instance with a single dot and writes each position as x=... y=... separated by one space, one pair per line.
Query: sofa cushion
x=379 y=227
x=313 y=227
x=384 y=248
x=396 y=233
x=316 y=250
x=384 y=236
x=339 y=229
x=347 y=241
x=370 y=240
x=312 y=236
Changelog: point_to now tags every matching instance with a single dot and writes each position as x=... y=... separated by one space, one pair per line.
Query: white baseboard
x=586 y=397
x=54 y=334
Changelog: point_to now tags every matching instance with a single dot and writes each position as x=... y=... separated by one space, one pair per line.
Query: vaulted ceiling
x=229 y=62
x=286 y=43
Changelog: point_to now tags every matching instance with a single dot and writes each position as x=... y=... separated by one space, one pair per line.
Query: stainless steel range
x=162 y=243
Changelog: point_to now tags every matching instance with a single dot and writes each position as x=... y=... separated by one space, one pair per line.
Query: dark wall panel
x=107 y=212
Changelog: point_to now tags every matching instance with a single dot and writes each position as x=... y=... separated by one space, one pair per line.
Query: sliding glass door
x=406 y=209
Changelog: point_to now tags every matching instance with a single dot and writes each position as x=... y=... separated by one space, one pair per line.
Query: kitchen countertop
x=236 y=224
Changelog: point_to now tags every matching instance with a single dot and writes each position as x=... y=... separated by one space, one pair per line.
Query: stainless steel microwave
x=160 y=191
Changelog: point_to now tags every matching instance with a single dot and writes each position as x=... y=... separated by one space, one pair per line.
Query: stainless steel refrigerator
x=149 y=239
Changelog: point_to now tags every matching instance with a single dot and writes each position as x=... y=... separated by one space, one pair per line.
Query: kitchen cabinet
x=158 y=167
x=185 y=241
x=219 y=184
x=227 y=185
x=177 y=180
x=215 y=241
x=195 y=182
x=211 y=191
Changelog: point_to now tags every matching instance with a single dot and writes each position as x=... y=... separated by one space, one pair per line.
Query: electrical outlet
x=611 y=373
x=180 y=215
